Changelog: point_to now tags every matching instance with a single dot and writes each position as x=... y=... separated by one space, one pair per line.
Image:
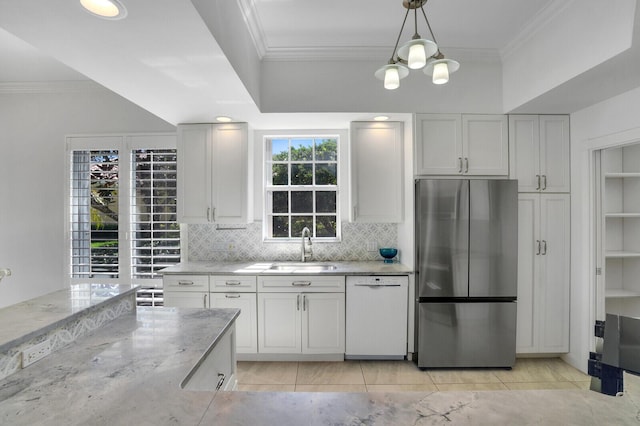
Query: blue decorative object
x=388 y=253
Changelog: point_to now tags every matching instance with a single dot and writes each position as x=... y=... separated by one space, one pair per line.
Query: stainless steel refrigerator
x=466 y=272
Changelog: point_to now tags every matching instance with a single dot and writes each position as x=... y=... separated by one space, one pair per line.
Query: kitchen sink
x=302 y=267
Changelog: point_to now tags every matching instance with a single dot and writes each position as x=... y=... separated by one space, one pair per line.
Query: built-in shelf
x=621 y=254
x=615 y=293
x=619 y=175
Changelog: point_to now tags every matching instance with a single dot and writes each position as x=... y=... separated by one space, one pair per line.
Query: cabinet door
x=528 y=231
x=438 y=143
x=376 y=172
x=524 y=136
x=323 y=323
x=554 y=153
x=229 y=173
x=246 y=323
x=279 y=323
x=194 y=179
x=485 y=145
x=185 y=299
x=553 y=308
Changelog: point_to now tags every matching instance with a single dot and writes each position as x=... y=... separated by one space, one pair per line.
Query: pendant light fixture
x=417 y=53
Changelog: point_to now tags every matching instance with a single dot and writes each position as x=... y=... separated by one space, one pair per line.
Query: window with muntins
x=301 y=187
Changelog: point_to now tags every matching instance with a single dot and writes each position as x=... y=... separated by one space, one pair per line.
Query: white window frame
x=342 y=137
x=125 y=144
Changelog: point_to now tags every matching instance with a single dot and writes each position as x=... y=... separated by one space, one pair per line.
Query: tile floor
x=404 y=376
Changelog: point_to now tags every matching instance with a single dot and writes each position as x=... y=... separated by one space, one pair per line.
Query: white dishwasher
x=376 y=317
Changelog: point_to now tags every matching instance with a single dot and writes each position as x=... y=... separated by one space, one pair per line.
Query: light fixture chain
x=395 y=48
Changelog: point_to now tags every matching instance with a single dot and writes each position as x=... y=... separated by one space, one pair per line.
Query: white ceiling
x=164 y=57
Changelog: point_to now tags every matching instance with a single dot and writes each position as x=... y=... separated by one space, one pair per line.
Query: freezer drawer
x=466 y=334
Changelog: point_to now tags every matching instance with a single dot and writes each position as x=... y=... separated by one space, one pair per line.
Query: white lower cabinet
x=543 y=273
x=246 y=323
x=183 y=299
x=306 y=319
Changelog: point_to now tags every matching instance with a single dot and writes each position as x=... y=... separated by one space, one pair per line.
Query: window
x=123 y=208
x=302 y=187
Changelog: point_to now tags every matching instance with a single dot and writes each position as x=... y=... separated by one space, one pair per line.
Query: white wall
x=34 y=124
x=609 y=123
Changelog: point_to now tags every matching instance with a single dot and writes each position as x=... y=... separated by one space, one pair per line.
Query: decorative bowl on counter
x=388 y=253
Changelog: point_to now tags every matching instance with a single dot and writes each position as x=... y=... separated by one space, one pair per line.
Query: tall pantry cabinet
x=539 y=154
x=620 y=229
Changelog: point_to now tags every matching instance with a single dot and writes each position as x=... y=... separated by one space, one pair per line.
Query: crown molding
x=79 y=86
x=250 y=16
x=534 y=26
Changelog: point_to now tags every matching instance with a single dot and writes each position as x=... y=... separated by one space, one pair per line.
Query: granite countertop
x=129 y=372
x=262 y=268
x=22 y=321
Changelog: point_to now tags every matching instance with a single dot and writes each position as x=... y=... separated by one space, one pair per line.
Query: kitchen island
x=129 y=372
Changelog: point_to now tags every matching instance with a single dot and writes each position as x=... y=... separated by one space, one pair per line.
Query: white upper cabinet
x=467 y=144
x=377 y=172
x=540 y=152
x=213 y=173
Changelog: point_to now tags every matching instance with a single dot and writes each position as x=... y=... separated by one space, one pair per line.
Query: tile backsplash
x=207 y=243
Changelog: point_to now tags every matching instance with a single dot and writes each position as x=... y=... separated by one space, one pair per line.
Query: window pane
x=326 y=226
x=301 y=174
x=298 y=223
x=326 y=201
x=156 y=235
x=301 y=202
x=326 y=174
x=301 y=149
x=279 y=149
x=326 y=149
x=280 y=201
x=279 y=174
x=280 y=226
x=94 y=208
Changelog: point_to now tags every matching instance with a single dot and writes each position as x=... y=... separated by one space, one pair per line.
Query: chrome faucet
x=306 y=252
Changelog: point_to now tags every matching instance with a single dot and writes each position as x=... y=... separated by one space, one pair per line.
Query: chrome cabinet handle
x=459 y=164
x=213 y=216
x=184 y=283
x=232 y=296
x=304 y=302
x=205 y=300
x=301 y=283
x=232 y=283
x=544 y=180
x=538 y=252
x=466 y=164
x=208 y=214
x=544 y=246
x=221 y=379
x=297 y=302
x=538 y=185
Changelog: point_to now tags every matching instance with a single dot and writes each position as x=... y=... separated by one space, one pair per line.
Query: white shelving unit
x=621 y=229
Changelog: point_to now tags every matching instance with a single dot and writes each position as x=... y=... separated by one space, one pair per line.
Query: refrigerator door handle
x=539 y=248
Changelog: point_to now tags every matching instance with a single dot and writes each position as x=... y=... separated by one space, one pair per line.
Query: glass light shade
x=440 y=73
x=391 y=74
x=416 y=52
x=391 y=79
x=109 y=9
x=417 y=57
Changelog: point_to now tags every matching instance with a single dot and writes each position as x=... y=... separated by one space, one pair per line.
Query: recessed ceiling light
x=107 y=9
x=223 y=119
x=381 y=118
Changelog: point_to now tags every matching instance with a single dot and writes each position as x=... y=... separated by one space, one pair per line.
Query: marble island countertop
x=129 y=372
x=264 y=268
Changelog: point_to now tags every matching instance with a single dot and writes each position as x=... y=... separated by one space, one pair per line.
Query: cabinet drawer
x=301 y=283
x=186 y=283
x=224 y=283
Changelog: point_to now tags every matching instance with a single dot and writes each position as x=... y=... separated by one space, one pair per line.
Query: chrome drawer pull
x=185 y=282
x=301 y=283
x=232 y=283
x=232 y=296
